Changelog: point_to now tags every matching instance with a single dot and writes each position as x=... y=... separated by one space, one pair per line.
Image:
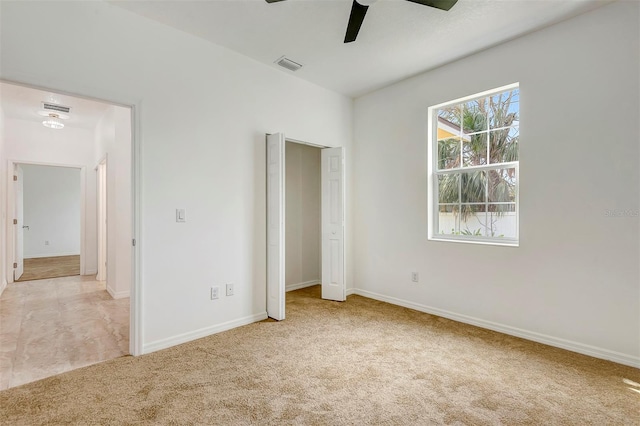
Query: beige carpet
x=50 y=267
x=358 y=362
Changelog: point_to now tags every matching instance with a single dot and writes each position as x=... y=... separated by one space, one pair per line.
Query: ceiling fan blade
x=438 y=4
x=273 y=1
x=358 y=12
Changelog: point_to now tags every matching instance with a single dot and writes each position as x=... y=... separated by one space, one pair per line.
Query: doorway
x=92 y=316
x=330 y=218
x=48 y=208
x=302 y=216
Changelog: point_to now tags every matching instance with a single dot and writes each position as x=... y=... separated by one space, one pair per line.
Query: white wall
x=202 y=114
x=51 y=210
x=574 y=281
x=302 y=215
x=31 y=142
x=113 y=141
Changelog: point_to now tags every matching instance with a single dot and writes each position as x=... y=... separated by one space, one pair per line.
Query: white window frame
x=432 y=177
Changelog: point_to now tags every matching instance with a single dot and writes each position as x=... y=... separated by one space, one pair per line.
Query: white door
x=333 y=285
x=102 y=221
x=18 y=223
x=275 y=226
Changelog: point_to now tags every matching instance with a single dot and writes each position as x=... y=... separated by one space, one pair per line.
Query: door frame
x=102 y=212
x=10 y=209
x=282 y=236
x=18 y=221
x=136 y=326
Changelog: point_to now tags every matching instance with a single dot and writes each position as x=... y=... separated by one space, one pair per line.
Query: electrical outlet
x=230 y=289
x=414 y=277
x=215 y=293
x=46 y=243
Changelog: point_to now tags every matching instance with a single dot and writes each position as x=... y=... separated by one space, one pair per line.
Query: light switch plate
x=181 y=215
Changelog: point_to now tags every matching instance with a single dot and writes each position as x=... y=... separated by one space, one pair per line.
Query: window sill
x=510 y=243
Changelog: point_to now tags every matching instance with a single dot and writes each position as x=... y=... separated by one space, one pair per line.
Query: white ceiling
x=23 y=103
x=397 y=40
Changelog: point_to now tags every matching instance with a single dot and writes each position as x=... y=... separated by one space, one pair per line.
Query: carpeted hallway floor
x=352 y=363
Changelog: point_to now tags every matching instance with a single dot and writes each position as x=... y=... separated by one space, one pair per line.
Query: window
x=473 y=168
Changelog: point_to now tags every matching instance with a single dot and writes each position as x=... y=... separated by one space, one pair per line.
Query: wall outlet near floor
x=230 y=289
x=414 y=277
x=46 y=243
x=215 y=293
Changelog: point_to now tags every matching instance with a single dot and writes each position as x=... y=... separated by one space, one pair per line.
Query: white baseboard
x=37 y=256
x=203 y=332
x=290 y=287
x=569 y=345
x=117 y=294
x=3 y=285
x=350 y=291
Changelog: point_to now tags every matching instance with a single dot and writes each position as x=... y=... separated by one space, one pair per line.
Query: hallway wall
x=52 y=208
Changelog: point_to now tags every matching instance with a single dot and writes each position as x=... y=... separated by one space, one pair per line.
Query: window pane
x=474 y=150
x=449 y=119
x=448 y=221
x=448 y=189
x=502 y=185
x=502 y=208
x=504 y=145
x=504 y=109
x=502 y=221
x=474 y=115
x=448 y=153
x=473 y=187
x=472 y=220
x=448 y=208
x=473 y=208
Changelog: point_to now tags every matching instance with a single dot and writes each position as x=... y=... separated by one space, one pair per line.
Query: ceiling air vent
x=288 y=64
x=55 y=107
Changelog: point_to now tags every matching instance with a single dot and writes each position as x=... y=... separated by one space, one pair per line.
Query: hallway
x=51 y=326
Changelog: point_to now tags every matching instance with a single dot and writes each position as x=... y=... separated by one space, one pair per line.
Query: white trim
x=101 y=218
x=350 y=291
x=3 y=285
x=492 y=166
x=467 y=240
x=478 y=95
x=117 y=295
x=299 y=142
x=581 y=348
x=203 y=332
x=83 y=220
x=38 y=256
x=136 y=317
x=103 y=159
x=291 y=287
x=90 y=272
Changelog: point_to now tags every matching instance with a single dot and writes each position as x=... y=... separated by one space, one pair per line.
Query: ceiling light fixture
x=53 y=122
x=61 y=116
